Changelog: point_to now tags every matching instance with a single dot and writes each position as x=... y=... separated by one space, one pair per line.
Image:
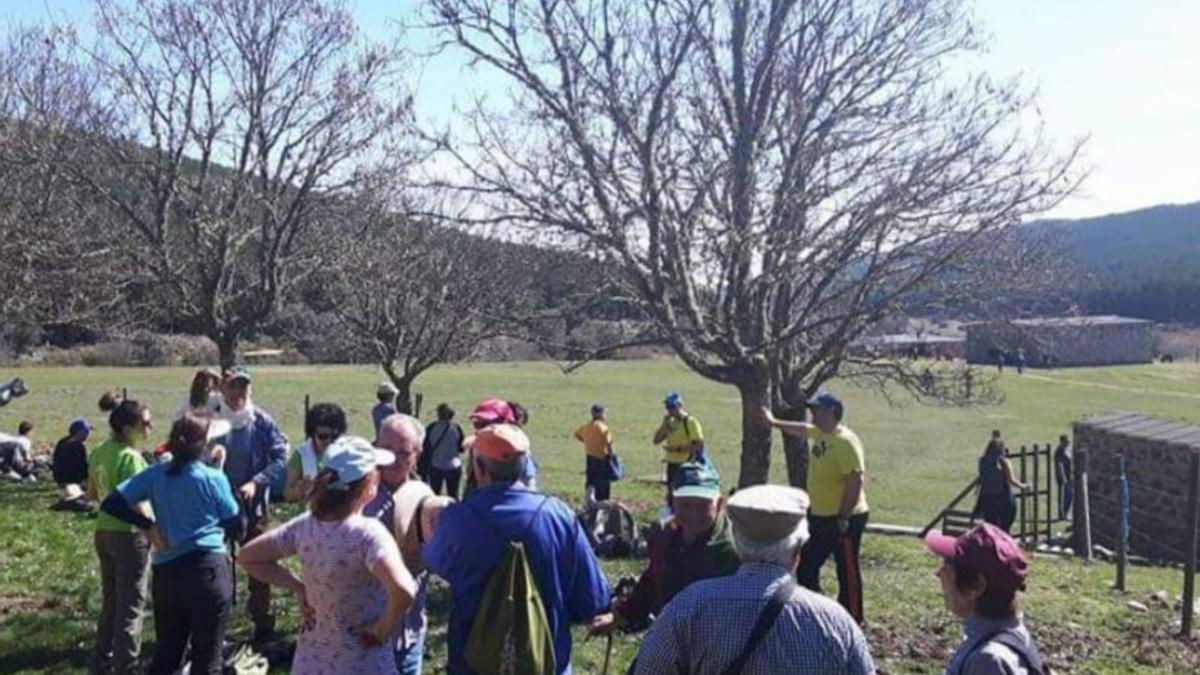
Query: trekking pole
x=607 y=655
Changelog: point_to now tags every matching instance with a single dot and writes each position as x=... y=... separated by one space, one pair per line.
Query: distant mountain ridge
x=1143 y=263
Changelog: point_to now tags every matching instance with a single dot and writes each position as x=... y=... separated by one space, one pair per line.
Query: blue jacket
x=465 y=550
x=267 y=448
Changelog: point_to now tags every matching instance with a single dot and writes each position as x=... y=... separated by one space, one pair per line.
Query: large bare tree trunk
x=756 y=434
x=795 y=450
x=226 y=349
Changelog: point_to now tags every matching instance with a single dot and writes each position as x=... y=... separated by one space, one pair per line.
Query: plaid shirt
x=706 y=626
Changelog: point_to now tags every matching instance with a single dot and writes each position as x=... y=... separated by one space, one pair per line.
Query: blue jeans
x=408 y=661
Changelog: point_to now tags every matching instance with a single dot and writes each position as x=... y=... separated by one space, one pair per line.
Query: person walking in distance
x=836 y=483
x=444 y=446
x=681 y=436
x=1064 y=477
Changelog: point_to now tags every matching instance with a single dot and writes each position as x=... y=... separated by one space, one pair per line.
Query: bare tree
x=237 y=130
x=420 y=295
x=56 y=265
x=768 y=178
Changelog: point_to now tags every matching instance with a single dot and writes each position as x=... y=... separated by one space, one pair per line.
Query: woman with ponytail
x=195 y=510
x=354 y=588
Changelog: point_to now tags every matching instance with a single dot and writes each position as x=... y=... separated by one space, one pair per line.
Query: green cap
x=697 y=480
x=240 y=373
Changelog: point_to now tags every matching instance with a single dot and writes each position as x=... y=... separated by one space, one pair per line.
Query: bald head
x=403 y=435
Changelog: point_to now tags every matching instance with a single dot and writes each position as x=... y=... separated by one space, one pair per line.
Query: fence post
x=1051 y=501
x=1037 y=487
x=124 y=394
x=1189 y=572
x=303 y=421
x=1081 y=533
x=1024 y=497
x=1122 y=525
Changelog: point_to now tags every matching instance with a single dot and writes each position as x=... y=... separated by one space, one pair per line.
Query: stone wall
x=1062 y=344
x=1157 y=462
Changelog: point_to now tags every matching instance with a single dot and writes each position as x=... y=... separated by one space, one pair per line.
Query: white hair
x=777 y=552
x=414 y=425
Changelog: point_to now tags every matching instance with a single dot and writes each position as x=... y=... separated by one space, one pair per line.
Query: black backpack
x=611 y=529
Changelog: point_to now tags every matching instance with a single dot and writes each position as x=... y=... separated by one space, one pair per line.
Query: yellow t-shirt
x=595 y=438
x=832 y=458
x=681 y=433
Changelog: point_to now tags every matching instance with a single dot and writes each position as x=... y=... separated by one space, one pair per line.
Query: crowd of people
x=732 y=582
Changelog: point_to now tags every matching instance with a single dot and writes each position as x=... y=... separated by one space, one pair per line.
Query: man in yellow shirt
x=597 y=446
x=838 y=512
x=681 y=436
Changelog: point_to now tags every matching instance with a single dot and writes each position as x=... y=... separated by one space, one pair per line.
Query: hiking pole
x=853 y=587
x=607 y=655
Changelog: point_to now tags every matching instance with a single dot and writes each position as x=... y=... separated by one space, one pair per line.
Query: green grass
x=917 y=457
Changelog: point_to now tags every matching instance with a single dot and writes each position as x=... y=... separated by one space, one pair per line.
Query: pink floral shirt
x=335 y=561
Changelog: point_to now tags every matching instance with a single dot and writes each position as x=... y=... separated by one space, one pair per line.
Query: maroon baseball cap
x=986 y=549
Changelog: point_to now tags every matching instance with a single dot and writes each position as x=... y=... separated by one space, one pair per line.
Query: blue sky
x=1124 y=72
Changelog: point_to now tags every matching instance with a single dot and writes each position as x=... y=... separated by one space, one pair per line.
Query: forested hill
x=1143 y=263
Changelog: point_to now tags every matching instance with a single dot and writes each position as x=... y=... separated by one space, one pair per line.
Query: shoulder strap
x=766 y=619
x=1030 y=658
x=495 y=530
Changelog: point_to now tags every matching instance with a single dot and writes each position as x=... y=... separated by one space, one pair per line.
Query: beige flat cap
x=767 y=513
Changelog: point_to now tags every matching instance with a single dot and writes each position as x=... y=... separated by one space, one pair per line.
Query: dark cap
x=987 y=550
x=828 y=401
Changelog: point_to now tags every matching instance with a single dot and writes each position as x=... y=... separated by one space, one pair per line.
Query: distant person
x=324 y=423
x=1064 y=477
x=694 y=544
x=353 y=589
x=981 y=573
x=16 y=454
x=123 y=551
x=472 y=540
x=681 y=436
x=597 y=448
x=996 y=503
x=444 y=446
x=757 y=621
x=109 y=400
x=256 y=456
x=839 y=512
x=1020 y=361
x=385 y=395
x=69 y=465
x=194 y=512
x=204 y=395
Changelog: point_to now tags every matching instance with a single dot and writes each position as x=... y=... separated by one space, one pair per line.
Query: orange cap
x=500 y=442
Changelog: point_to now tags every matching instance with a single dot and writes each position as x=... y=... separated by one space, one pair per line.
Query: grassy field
x=917 y=457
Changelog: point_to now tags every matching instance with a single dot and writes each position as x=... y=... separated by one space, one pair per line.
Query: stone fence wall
x=1157 y=463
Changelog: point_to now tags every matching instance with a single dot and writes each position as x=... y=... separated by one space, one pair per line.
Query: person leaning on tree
x=836 y=480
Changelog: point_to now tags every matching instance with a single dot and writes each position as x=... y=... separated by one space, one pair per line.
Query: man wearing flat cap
x=836 y=476
x=757 y=621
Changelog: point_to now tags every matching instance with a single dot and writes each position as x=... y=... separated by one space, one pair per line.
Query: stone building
x=1157 y=463
x=1062 y=341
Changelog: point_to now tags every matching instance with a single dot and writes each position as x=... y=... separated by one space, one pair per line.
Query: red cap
x=493 y=411
x=986 y=549
x=500 y=442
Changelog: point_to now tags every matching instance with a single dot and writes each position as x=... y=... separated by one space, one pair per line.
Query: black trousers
x=999 y=510
x=825 y=539
x=597 y=477
x=193 y=599
x=438 y=478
